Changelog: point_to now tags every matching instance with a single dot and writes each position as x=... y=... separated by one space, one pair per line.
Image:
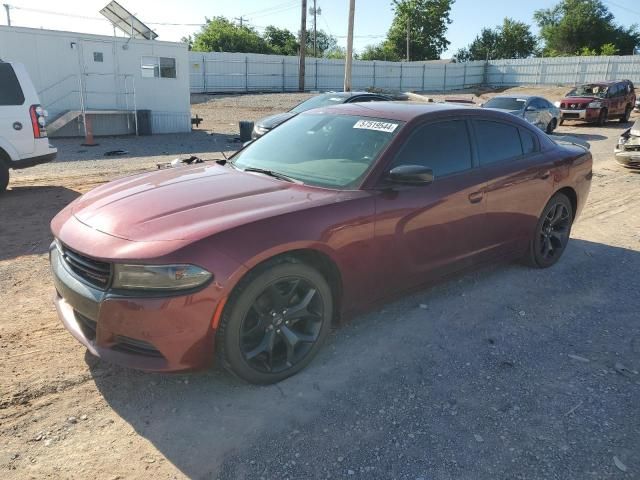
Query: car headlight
x=623 y=140
x=556 y=104
x=594 y=105
x=158 y=277
x=260 y=130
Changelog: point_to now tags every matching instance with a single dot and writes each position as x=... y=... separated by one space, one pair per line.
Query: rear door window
x=528 y=142
x=444 y=147
x=497 y=141
x=10 y=90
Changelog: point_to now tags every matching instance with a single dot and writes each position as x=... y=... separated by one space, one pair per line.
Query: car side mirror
x=411 y=175
x=531 y=108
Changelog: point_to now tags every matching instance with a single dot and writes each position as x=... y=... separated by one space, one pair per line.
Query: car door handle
x=544 y=175
x=476 y=197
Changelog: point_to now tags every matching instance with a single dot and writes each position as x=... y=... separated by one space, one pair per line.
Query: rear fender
x=9 y=150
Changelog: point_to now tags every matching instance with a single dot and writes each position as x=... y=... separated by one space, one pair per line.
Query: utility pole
x=303 y=46
x=315 y=12
x=349 y=60
x=241 y=19
x=408 y=38
x=7 y=7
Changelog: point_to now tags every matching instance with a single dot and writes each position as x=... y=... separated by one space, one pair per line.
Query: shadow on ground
x=25 y=215
x=206 y=144
x=503 y=373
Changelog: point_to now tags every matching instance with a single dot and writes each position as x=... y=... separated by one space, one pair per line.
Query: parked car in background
x=254 y=258
x=627 y=150
x=23 y=136
x=535 y=110
x=263 y=125
x=598 y=102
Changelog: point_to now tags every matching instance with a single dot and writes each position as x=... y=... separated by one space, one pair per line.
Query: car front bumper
x=586 y=114
x=629 y=159
x=164 y=334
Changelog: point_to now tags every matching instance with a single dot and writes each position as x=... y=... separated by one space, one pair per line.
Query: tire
x=275 y=322
x=561 y=121
x=627 y=114
x=551 y=127
x=4 y=177
x=602 y=118
x=552 y=233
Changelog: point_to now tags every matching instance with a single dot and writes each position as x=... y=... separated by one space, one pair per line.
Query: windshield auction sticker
x=373 y=125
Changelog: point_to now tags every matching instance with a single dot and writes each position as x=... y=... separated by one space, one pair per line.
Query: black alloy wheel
x=277 y=322
x=552 y=232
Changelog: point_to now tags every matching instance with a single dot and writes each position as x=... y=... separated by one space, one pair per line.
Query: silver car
x=535 y=110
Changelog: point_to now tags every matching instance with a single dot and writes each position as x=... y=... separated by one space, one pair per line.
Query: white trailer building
x=107 y=79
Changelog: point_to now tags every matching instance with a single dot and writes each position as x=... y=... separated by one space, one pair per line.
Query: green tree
x=381 y=51
x=281 y=41
x=574 y=25
x=220 y=35
x=336 y=53
x=427 y=20
x=324 y=43
x=510 y=40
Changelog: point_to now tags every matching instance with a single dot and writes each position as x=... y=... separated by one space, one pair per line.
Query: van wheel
x=627 y=114
x=275 y=322
x=4 y=177
x=552 y=233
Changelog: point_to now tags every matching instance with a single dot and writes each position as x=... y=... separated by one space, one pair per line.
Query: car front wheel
x=275 y=322
x=627 y=115
x=551 y=126
x=552 y=232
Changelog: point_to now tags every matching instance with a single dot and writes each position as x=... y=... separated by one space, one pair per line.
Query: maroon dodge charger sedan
x=251 y=260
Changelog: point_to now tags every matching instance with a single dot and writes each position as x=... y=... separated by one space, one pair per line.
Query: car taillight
x=38 y=121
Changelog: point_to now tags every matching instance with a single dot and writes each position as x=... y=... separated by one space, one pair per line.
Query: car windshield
x=506 y=103
x=318 y=101
x=334 y=151
x=589 y=91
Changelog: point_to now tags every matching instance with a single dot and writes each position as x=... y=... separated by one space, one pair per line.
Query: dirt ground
x=503 y=373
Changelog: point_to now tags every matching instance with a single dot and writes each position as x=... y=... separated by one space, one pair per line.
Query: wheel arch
x=5 y=158
x=315 y=258
x=571 y=194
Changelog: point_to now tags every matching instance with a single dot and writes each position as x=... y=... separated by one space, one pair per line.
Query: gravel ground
x=504 y=373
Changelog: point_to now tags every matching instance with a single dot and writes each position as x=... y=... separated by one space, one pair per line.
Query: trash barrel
x=245 y=131
x=144 y=122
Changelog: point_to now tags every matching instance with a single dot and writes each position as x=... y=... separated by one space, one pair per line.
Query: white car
x=23 y=136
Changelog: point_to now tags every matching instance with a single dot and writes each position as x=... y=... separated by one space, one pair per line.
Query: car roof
x=525 y=97
x=401 y=111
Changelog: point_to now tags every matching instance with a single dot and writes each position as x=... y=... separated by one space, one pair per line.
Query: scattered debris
x=180 y=162
x=423 y=306
x=622 y=370
x=115 y=153
x=573 y=409
x=478 y=437
x=621 y=466
x=578 y=358
x=196 y=120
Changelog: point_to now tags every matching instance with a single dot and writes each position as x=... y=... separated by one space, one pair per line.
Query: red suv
x=598 y=102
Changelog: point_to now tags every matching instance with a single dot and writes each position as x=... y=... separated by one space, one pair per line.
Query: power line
x=622 y=7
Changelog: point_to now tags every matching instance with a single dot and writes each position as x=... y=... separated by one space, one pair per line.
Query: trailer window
x=158 y=67
x=10 y=91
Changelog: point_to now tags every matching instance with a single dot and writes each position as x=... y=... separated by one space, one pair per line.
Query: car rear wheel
x=275 y=322
x=627 y=115
x=4 y=176
x=551 y=127
x=602 y=118
x=552 y=232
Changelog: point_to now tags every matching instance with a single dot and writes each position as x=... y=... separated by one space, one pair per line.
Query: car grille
x=137 y=347
x=572 y=106
x=95 y=272
x=632 y=148
x=571 y=115
x=87 y=326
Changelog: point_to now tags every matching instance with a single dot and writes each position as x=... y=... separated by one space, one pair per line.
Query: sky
x=372 y=19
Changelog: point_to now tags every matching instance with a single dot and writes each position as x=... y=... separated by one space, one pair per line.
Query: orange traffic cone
x=88 y=138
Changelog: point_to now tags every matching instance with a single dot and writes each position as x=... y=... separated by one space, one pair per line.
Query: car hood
x=273 y=121
x=189 y=203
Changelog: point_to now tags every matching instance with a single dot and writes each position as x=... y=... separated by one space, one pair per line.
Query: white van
x=23 y=136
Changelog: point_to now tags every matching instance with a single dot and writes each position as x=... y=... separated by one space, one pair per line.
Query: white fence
x=239 y=72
